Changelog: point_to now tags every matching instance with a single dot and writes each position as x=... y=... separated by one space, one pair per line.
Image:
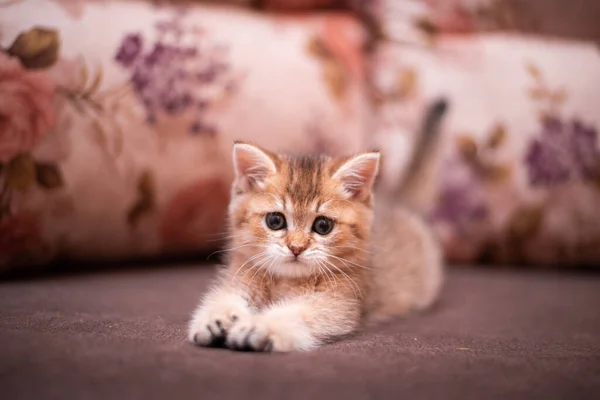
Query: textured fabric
x=521 y=162
x=494 y=335
x=117 y=142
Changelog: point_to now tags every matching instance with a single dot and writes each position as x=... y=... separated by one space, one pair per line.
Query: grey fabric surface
x=115 y=335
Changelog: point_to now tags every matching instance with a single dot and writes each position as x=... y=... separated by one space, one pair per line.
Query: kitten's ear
x=252 y=165
x=358 y=174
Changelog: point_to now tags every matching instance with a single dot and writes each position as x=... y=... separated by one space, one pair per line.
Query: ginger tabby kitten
x=311 y=255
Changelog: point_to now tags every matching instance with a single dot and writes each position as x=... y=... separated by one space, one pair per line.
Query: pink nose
x=296 y=250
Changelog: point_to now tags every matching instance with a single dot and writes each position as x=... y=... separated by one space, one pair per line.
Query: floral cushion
x=115 y=142
x=521 y=164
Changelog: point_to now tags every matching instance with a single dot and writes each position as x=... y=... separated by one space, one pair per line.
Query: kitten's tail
x=418 y=187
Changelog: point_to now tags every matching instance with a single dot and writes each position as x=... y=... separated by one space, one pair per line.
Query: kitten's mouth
x=295 y=260
x=294 y=268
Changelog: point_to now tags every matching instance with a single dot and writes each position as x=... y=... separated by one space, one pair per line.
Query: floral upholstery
x=115 y=142
x=521 y=168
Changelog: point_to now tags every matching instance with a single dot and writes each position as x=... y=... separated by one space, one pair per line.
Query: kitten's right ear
x=357 y=175
x=252 y=166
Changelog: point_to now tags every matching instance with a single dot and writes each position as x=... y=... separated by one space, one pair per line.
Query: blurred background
x=117 y=118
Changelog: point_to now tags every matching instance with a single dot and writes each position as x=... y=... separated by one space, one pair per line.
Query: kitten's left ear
x=358 y=174
x=252 y=165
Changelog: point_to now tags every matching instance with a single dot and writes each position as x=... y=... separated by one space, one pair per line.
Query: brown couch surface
x=116 y=335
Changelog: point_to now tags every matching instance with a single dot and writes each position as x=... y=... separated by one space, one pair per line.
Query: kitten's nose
x=296 y=250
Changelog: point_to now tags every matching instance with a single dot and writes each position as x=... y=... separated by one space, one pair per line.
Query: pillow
x=521 y=164
x=116 y=143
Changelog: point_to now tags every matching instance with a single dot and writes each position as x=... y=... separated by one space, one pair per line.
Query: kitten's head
x=296 y=216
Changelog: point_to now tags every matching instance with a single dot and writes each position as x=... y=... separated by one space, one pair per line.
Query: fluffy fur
x=293 y=288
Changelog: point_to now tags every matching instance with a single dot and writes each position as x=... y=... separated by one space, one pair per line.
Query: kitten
x=305 y=266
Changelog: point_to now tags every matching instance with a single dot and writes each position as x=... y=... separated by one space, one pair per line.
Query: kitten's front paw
x=210 y=325
x=261 y=333
x=250 y=334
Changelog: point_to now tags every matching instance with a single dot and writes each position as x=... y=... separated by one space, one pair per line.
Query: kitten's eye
x=275 y=221
x=322 y=225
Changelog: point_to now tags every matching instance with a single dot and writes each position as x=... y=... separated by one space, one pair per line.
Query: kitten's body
x=407 y=258
x=295 y=285
x=407 y=261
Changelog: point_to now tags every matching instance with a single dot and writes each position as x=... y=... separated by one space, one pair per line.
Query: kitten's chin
x=294 y=269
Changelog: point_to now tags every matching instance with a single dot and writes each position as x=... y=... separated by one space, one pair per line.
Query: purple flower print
x=171 y=77
x=129 y=50
x=564 y=151
x=545 y=165
x=462 y=200
x=585 y=149
x=459 y=207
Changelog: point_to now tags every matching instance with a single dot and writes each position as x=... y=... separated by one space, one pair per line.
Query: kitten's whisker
x=268 y=270
x=321 y=272
x=225 y=238
x=351 y=262
x=327 y=272
x=345 y=261
x=263 y=279
x=235 y=248
x=260 y=267
x=347 y=277
x=262 y=253
x=270 y=273
x=326 y=275
x=256 y=265
x=353 y=247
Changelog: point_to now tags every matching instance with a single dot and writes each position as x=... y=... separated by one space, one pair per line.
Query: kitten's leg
x=302 y=323
x=215 y=315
